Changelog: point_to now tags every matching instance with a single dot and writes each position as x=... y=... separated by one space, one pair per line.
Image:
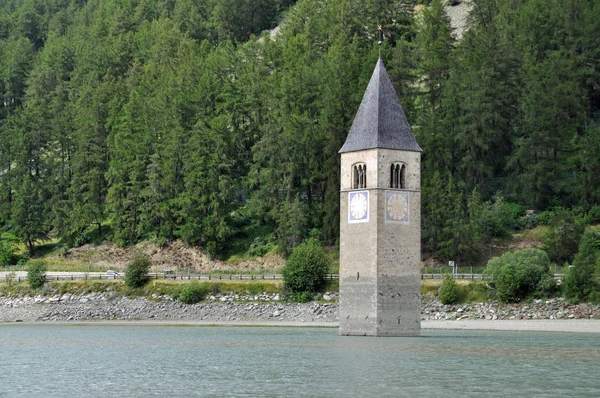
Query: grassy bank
x=469 y=291
x=153 y=288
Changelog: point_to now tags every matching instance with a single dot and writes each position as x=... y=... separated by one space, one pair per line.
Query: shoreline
x=268 y=310
x=531 y=325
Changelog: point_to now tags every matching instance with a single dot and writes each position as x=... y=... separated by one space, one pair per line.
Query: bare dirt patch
x=176 y=256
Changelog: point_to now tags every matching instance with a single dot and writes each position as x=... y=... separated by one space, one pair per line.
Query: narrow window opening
x=398 y=176
x=364 y=176
x=403 y=177
x=359 y=176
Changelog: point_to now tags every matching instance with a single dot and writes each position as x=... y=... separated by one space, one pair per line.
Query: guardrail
x=455 y=276
x=155 y=276
x=219 y=277
x=470 y=276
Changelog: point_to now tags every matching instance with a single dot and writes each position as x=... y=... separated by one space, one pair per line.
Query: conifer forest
x=197 y=120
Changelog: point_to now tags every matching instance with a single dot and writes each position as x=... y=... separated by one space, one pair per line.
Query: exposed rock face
x=105 y=306
x=262 y=307
x=432 y=309
x=458 y=11
x=172 y=257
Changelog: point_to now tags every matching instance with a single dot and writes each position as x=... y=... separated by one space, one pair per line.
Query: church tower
x=380 y=218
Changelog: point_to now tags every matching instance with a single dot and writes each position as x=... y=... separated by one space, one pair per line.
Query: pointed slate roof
x=380 y=121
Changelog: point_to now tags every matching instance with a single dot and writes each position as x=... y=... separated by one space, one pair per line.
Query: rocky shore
x=260 y=308
x=556 y=308
x=106 y=306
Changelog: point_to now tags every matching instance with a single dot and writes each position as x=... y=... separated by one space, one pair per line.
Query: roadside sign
x=453 y=265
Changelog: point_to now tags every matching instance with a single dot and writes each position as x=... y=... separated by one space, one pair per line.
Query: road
x=21 y=275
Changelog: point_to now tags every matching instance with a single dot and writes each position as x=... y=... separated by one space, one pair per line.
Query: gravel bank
x=433 y=310
x=270 y=310
x=104 y=306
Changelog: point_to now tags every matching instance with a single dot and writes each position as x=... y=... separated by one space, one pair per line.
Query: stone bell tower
x=380 y=218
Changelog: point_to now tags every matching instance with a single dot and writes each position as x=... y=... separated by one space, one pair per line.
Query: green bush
x=562 y=239
x=36 y=273
x=305 y=268
x=594 y=214
x=299 y=297
x=136 y=273
x=529 y=221
x=582 y=281
x=474 y=292
x=193 y=292
x=8 y=249
x=499 y=218
x=9 y=278
x=546 y=286
x=518 y=274
x=448 y=292
x=546 y=217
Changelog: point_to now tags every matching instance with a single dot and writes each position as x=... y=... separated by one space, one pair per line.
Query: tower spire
x=380 y=121
x=380 y=30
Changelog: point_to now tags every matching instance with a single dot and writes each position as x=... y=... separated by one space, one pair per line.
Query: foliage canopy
x=519 y=274
x=36 y=273
x=582 y=282
x=448 y=292
x=136 y=273
x=305 y=268
x=163 y=120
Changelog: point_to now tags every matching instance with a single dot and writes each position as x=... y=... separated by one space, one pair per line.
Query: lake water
x=180 y=361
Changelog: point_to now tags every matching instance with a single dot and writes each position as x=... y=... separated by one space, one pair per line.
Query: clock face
x=396 y=206
x=358 y=207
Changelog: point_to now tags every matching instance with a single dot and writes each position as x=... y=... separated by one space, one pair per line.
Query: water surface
x=176 y=361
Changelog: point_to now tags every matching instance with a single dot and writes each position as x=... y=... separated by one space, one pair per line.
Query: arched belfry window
x=359 y=176
x=398 y=175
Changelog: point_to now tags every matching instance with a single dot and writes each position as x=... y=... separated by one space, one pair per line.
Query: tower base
x=389 y=306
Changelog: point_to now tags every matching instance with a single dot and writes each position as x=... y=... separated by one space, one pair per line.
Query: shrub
x=136 y=273
x=500 y=218
x=546 y=217
x=594 y=214
x=10 y=278
x=546 y=286
x=474 y=291
x=448 y=292
x=299 y=297
x=36 y=273
x=529 y=221
x=193 y=292
x=82 y=238
x=8 y=249
x=562 y=239
x=517 y=274
x=582 y=281
x=305 y=268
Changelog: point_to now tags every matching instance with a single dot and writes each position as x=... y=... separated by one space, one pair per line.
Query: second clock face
x=396 y=206
x=358 y=207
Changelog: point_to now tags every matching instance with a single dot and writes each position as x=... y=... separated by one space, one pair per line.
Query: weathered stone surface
x=379 y=259
x=106 y=306
x=102 y=306
x=432 y=309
